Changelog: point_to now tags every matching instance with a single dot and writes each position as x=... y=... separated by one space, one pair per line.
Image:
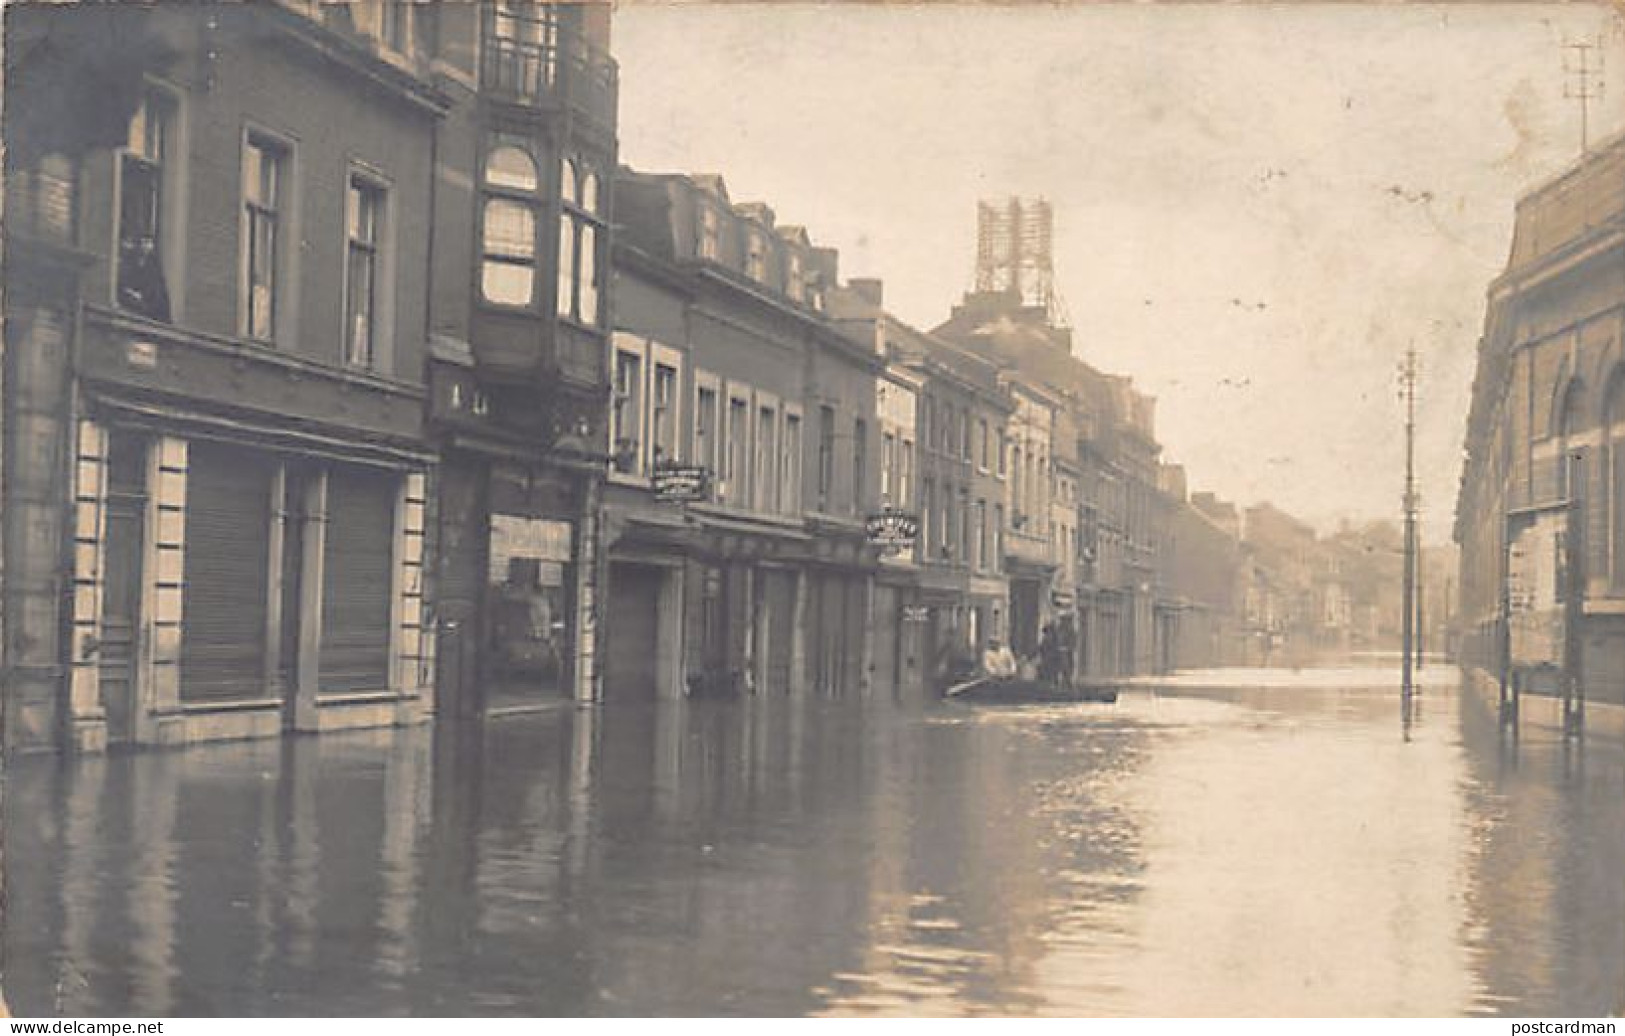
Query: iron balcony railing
x=565 y=70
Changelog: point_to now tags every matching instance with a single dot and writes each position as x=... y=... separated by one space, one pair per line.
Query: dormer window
x=755 y=256
x=708 y=232
x=795 y=278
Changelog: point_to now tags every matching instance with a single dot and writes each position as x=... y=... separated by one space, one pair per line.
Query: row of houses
x=350 y=378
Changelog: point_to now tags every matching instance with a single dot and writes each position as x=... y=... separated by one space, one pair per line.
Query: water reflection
x=1255 y=850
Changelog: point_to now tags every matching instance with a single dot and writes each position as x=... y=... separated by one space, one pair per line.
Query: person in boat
x=997 y=661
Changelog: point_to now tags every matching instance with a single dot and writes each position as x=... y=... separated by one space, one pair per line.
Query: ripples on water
x=1241 y=850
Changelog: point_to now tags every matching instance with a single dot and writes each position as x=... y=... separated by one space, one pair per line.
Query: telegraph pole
x=1582 y=82
x=1407 y=379
x=1421 y=599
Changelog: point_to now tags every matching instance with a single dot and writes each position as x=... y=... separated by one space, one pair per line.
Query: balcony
x=559 y=70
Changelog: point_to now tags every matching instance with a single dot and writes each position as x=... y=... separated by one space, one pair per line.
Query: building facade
x=725 y=362
x=520 y=301
x=1540 y=517
x=304 y=366
x=218 y=487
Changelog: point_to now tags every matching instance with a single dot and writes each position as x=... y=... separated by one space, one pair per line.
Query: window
x=998 y=538
x=664 y=413
x=965 y=520
x=395 y=25
x=980 y=518
x=860 y=459
x=826 y=455
x=756 y=256
x=141 y=244
x=365 y=208
x=264 y=169
x=520 y=53
x=791 y=498
x=888 y=465
x=1000 y=446
x=927 y=502
x=508 y=257
x=964 y=437
x=708 y=232
x=705 y=430
x=767 y=459
x=794 y=280
x=738 y=455
x=580 y=223
x=1016 y=501
x=905 y=472
x=625 y=411
x=986 y=443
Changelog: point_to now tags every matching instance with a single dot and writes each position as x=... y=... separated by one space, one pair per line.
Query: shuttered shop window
x=228 y=522
x=356 y=584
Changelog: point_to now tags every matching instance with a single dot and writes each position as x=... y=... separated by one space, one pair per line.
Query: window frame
x=627 y=404
x=581 y=220
x=283 y=304
x=172 y=203
x=527 y=198
x=381 y=325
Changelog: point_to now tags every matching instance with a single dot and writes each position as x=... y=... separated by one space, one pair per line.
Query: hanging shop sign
x=679 y=483
x=892 y=530
x=916 y=613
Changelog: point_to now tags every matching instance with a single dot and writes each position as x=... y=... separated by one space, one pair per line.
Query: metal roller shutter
x=228 y=529
x=357 y=564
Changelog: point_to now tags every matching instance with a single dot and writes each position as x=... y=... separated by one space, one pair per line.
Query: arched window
x=508 y=227
x=580 y=236
x=511 y=167
x=1613 y=411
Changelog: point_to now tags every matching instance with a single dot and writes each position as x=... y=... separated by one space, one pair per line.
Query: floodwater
x=1283 y=847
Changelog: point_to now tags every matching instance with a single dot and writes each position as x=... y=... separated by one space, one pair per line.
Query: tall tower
x=1014 y=250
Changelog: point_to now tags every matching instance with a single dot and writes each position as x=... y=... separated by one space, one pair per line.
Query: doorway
x=124 y=539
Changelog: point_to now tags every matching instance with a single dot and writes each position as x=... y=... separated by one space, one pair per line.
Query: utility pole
x=1421 y=599
x=1582 y=82
x=1407 y=379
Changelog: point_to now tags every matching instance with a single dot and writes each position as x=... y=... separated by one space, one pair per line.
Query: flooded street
x=1260 y=850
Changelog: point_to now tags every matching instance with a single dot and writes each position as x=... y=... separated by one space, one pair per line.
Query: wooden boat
x=1017 y=691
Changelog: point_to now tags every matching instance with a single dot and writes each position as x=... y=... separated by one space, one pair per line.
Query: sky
x=1257 y=207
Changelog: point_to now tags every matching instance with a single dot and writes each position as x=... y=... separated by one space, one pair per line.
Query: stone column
x=163 y=595
x=406 y=648
x=798 y=635
x=301 y=705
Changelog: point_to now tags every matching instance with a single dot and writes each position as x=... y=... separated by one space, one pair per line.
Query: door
x=121 y=590
x=886 y=640
x=630 y=656
x=463 y=539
